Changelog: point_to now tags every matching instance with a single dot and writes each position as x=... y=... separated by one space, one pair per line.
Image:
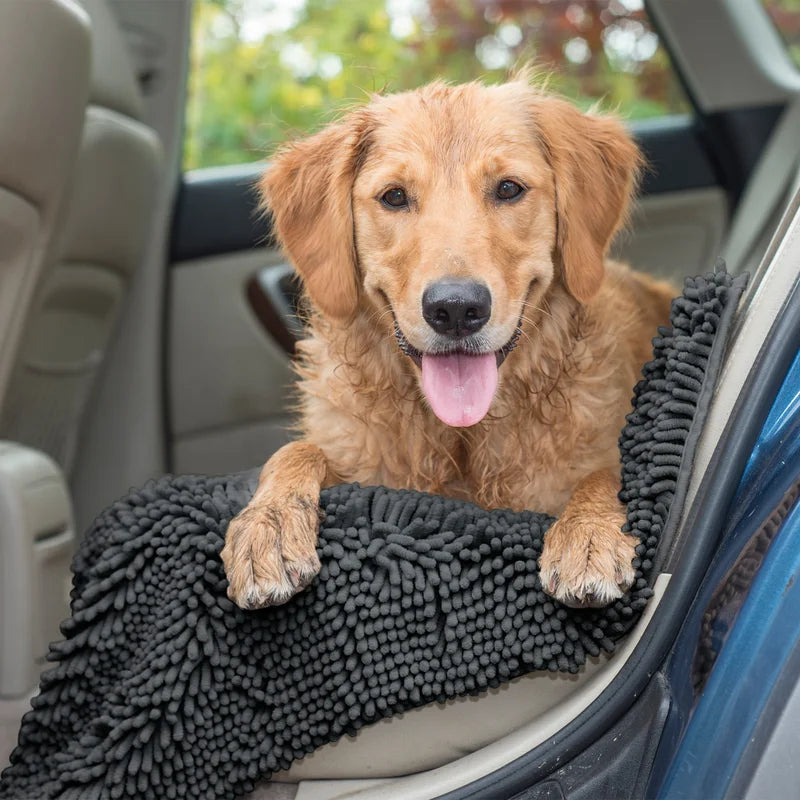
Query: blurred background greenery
x=785 y=15
x=263 y=71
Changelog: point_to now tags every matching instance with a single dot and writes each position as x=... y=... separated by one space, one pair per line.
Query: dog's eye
x=508 y=190
x=394 y=198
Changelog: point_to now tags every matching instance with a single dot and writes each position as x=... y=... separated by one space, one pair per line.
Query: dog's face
x=459 y=209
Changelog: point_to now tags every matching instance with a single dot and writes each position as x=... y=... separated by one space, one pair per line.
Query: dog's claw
x=301 y=573
x=582 y=569
x=270 y=552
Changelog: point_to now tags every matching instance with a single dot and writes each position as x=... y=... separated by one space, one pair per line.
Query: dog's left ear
x=595 y=165
x=307 y=189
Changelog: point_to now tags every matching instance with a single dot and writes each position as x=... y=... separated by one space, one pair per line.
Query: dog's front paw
x=586 y=562
x=270 y=552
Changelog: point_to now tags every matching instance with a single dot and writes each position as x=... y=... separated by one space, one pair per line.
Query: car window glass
x=785 y=15
x=264 y=71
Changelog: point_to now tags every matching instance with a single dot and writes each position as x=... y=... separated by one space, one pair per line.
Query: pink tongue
x=459 y=387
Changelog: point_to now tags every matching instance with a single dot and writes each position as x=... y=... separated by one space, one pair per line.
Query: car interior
x=147 y=324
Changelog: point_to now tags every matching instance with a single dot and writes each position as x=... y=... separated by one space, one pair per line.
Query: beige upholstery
x=440 y=733
x=44 y=87
x=114 y=83
x=35 y=550
x=101 y=245
x=44 y=84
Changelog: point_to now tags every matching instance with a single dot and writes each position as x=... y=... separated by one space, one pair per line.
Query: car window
x=785 y=15
x=263 y=71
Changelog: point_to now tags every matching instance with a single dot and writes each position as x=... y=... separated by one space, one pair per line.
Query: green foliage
x=785 y=15
x=252 y=89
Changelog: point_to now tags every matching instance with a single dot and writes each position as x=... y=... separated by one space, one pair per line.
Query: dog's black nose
x=456 y=307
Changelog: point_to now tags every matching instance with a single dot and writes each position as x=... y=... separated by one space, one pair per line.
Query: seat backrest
x=44 y=86
x=101 y=245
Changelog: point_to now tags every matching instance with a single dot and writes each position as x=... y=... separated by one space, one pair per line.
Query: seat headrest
x=114 y=82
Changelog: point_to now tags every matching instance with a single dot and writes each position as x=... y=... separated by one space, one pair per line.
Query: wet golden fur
x=549 y=441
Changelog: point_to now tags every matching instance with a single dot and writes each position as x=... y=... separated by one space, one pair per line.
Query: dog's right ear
x=307 y=189
x=595 y=165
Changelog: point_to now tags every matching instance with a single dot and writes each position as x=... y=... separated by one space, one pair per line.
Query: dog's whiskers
x=378 y=314
x=526 y=303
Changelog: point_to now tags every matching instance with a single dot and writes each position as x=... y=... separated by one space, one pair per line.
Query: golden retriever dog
x=467 y=334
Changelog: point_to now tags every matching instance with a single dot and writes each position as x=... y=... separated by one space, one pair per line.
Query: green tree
x=263 y=71
x=785 y=15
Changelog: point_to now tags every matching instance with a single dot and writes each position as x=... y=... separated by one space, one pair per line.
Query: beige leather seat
x=44 y=88
x=44 y=84
x=100 y=246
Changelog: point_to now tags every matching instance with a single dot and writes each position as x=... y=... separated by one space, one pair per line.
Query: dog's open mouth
x=459 y=385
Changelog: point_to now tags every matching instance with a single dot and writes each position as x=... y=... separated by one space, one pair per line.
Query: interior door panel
x=676 y=233
x=230 y=379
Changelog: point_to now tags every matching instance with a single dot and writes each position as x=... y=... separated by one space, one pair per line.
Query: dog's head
x=459 y=208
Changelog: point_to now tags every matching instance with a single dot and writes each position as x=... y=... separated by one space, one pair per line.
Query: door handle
x=274 y=295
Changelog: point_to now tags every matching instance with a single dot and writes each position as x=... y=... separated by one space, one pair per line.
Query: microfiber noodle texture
x=163 y=688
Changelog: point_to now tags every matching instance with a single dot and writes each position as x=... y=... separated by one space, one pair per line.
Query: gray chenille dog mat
x=163 y=688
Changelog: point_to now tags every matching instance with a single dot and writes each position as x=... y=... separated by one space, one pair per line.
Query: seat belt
x=769 y=184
